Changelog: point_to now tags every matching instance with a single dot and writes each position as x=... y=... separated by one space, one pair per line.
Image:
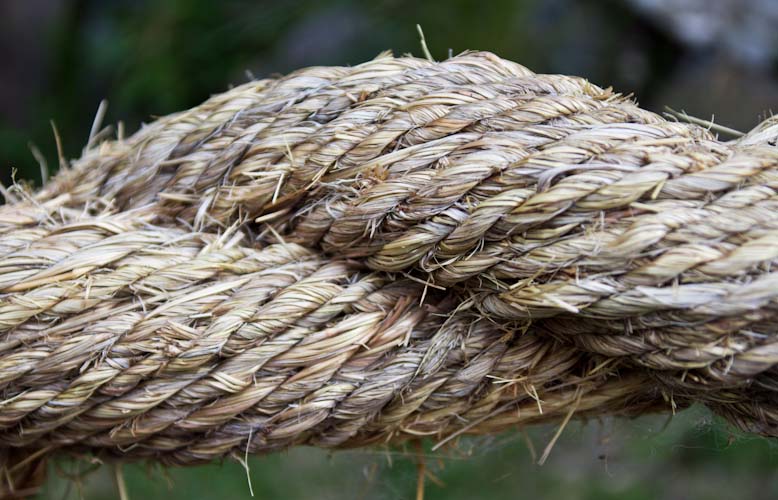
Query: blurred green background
x=717 y=58
x=60 y=58
x=689 y=456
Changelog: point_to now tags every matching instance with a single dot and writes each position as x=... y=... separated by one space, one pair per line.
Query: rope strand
x=349 y=256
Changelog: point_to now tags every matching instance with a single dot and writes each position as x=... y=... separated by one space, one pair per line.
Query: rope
x=351 y=256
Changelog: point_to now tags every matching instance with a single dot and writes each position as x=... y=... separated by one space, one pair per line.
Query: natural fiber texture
x=352 y=256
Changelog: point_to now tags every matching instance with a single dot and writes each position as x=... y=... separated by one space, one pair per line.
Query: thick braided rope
x=145 y=341
x=345 y=256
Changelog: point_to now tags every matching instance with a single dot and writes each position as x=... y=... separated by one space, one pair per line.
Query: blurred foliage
x=151 y=58
x=648 y=458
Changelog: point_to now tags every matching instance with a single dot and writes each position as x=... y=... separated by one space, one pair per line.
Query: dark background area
x=686 y=457
x=60 y=58
x=715 y=58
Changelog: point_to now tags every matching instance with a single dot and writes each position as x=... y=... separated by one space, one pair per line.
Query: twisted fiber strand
x=308 y=98
x=575 y=193
x=346 y=256
x=403 y=249
x=186 y=346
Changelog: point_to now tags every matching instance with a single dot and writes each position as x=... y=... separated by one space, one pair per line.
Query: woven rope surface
x=349 y=256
